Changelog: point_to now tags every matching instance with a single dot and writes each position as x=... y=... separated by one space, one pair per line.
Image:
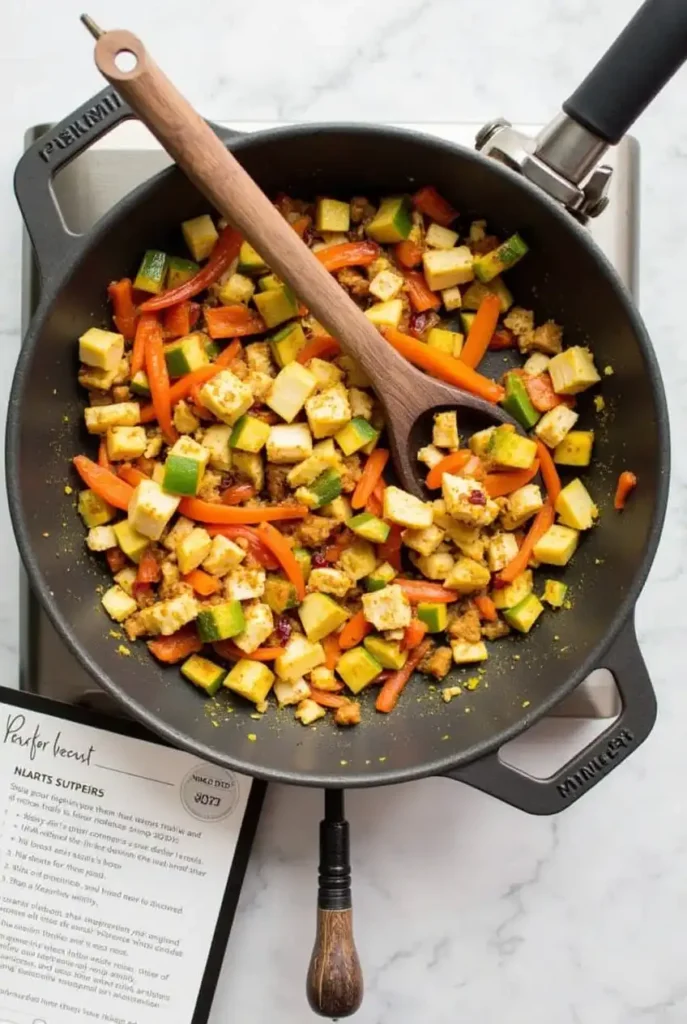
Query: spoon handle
x=220 y=177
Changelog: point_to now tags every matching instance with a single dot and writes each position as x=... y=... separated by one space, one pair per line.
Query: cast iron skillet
x=564 y=277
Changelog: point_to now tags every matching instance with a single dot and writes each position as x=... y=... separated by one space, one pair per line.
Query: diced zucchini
x=438 y=237
x=576 y=449
x=575 y=507
x=216 y=440
x=280 y=594
x=132 y=543
x=522 y=505
x=100 y=418
x=286 y=343
x=94 y=510
x=405 y=509
x=557 y=546
x=117 y=603
x=517 y=402
x=554 y=593
x=339 y=509
x=332 y=215
x=380 y=577
x=186 y=354
x=467 y=320
x=152 y=272
x=328 y=411
x=387 y=652
x=179 y=271
x=386 y=285
x=386 y=314
x=425 y=541
x=299 y=658
x=320 y=616
x=452 y=298
x=200 y=235
x=370 y=527
x=478 y=291
x=393 y=220
x=290 y=390
x=185 y=466
x=203 y=673
x=508 y=597
x=536 y=364
x=358 y=559
x=249 y=434
x=357 y=668
x=321 y=491
x=287 y=444
x=524 y=615
x=139 y=384
x=224 y=556
x=220 y=621
x=193 y=549
x=465 y=653
x=450 y=342
x=506 y=255
x=481 y=443
x=276 y=305
x=573 y=371
x=434 y=616
x=510 y=450
x=238 y=288
x=467 y=576
x=355 y=435
x=102 y=349
x=445 y=268
x=251 y=679
x=269 y=281
x=250 y=262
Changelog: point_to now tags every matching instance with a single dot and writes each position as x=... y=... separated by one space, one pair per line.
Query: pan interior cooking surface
x=562 y=278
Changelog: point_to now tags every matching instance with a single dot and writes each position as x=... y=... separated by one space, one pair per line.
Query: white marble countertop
x=465 y=909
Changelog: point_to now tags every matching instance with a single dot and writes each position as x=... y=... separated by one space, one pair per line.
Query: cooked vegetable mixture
x=241 y=492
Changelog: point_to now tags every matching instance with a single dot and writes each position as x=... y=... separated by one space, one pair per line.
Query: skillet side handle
x=633 y=71
x=52 y=241
x=606 y=752
x=335 y=982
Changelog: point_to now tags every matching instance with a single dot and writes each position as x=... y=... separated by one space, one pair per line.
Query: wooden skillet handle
x=335 y=980
x=220 y=177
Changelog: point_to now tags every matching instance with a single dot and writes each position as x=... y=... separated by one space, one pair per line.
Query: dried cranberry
x=283 y=629
x=319 y=560
x=421 y=322
x=477 y=498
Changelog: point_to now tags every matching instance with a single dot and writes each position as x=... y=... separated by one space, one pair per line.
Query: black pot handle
x=335 y=981
x=633 y=71
x=606 y=752
x=52 y=241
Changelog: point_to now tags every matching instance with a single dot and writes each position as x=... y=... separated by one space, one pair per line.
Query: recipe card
x=121 y=860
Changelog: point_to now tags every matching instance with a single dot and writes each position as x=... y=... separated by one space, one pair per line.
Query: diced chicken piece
x=193 y=549
x=348 y=714
x=259 y=623
x=555 y=425
x=101 y=538
x=118 y=604
x=388 y=608
x=101 y=418
x=426 y=541
x=328 y=411
x=243 y=583
x=151 y=508
x=465 y=626
x=224 y=556
x=430 y=455
x=521 y=322
x=324 y=679
x=166 y=617
x=467 y=501
x=521 y=506
x=501 y=549
x=300 y=657
x=330 y=581
x=437 y=663
x=259 y=383
x=314 y=531
x=445 y=430
x=327 y=375
x=185 y=420
x=292 y=692
x=437 y=566
x=548 y=338
x=289 y=443
x=227 y=397
x=405 y=509
x=361 y=403
x=259 y=358
x=308 y=712
x=181 y=529
x=154 y=445
x=467 y=576
x=495 y=630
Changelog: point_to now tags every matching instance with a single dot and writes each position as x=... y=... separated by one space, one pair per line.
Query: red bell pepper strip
x=103 y=457
x=148 y=325
x=627 y=481
x=332 y=651
x=177 y=647
x=233 y=321
x=148 y=571
x=394 y=685
x=501 y=338
x=281 y=550
x=390 y=550
x=123 y=308
x=420 y=590
x=420 y=294
x=326 y=699
x=443 y=366
x=180 y=319
x=321 y=346
x=301 y=225
x=486 y=608
x=131 y=474
x=452 y=463
x=116 y=560
x=414 y=634
x=498 y=485
x=350 y=254
x=211 y=512
x=158 y=381
x=355 y=630
x=222 y=256
x=105 y=484
x=237 y=493
x=428 y=201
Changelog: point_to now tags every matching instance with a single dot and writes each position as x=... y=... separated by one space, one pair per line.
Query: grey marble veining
x=465 y=908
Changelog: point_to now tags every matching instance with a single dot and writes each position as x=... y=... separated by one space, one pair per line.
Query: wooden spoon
x=408 y=395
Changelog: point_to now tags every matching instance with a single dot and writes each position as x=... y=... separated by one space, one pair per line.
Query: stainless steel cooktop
x=90 y=186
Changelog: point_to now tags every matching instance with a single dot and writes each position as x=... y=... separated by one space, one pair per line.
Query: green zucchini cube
x=355 y=435
x=493 y=263
x=370 y=527
x=249 y=434
x=320 y=616
x=517 y=402
x=152 y=272
x=388 y=653
x=185 y=466
x=220 y=621
x=357 y=668
x=434 y=616
x=203 y=673
x=179 y=271
x=524 y=615
x=393 y=220
x=186 y=354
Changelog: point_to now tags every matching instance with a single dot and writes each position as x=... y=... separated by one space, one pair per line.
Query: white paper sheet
x=114 y=858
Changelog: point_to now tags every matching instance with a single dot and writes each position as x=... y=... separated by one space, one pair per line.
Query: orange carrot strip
x=443 y=366
x=148 y=569
x=541 y=394
x=452 y=463
x=486 y=608
x=228 y=355
x=326 y=699
x=387 y=697
x=332 y=650
x=420 y=590
x=227 y=649
x=212 y=512
x=540 y=524
x=408 y=254
x=497 y=485
x=374 y=506
x=428 y=201
x=103 y=457
x=354 y=631
x=233 y=321
x=322 y=345
x=549 y=473
x=350 y=254
x=202 y=582
x=281 y=550
x=301 y=225
x=174 y=648
x=627 y=481
x=158 y=380
x=370 y=476
x=180 y=319
x=414 y=634
x=420 y=294
x=481 y=330
x=147 y=324
x=123 y=307
x=131 y=474
x=105 y=484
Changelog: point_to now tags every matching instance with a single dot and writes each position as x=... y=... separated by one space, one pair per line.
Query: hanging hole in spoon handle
x=335 y=980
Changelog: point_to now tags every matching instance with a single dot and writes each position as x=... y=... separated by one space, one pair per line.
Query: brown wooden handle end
x=335 y=978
